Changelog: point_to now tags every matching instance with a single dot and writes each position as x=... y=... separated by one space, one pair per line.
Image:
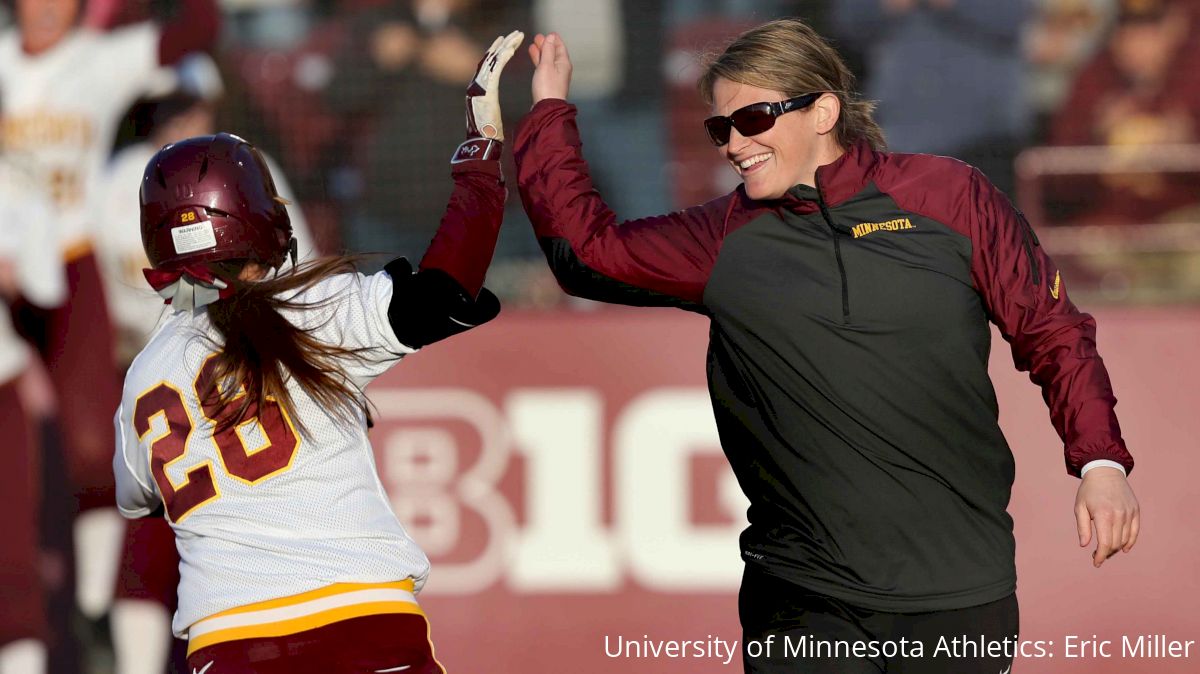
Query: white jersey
x=27 y=242
x=133 y=305
x=265 y=513
x=61 y=109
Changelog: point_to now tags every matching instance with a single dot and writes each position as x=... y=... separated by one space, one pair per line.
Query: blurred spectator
x=692 y=10
x=63 y=89
x=948 y=75
x=270 y=24
x=277 y=97
x=619 y=89
x=402 y=66
x=1142 y=89
x=1063 y=37
x=28 y=249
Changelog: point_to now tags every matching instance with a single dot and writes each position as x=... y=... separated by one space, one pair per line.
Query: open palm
x=551 y=67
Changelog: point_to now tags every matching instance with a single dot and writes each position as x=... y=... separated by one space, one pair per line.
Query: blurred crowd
x=356 y=99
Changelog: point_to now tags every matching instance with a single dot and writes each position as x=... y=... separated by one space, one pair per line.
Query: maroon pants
x=79 y=356
x=398 y=642
x=22 y=611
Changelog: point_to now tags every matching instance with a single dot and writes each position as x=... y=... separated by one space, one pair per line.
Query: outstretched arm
x=446 y=295
x=658 y=261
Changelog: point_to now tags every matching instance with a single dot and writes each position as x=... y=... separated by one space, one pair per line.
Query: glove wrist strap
x=477 y=148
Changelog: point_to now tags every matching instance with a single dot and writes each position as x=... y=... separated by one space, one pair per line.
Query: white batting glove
x=485 y=129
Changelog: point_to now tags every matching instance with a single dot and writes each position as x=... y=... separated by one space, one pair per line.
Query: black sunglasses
x=754 y=118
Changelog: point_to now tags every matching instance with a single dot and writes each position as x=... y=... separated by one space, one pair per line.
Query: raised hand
x=485 y=128
x=551 y=67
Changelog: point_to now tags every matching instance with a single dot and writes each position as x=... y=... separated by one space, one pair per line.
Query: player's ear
x=827 y=109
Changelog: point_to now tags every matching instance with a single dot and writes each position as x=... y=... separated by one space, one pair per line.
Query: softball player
x=243 y=420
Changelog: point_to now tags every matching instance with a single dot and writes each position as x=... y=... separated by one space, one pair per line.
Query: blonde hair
x=788 y=56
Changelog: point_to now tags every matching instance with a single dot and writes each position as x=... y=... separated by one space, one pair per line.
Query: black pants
x=787 y=629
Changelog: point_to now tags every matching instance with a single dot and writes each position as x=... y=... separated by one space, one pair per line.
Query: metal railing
x=1154 y=261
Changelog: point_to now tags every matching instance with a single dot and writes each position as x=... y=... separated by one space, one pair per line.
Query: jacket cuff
x=536 y=118
x=1083 y=453
x=1101 y=463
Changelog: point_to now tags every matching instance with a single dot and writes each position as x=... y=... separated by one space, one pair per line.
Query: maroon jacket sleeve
x=466 y=240
x=1026 y=297
x=657 y=261
x=194 y=28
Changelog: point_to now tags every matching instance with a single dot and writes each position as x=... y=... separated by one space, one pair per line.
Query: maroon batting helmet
x=211 y=198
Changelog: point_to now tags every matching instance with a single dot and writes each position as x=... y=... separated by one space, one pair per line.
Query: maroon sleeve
x=1026 y=297
x=194 y=28
x=661 y=260
x=466 y=240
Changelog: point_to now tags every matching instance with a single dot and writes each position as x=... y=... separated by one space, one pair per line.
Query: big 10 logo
x=517 y=491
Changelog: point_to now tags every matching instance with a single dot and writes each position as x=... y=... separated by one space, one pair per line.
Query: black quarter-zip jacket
x=848 y=356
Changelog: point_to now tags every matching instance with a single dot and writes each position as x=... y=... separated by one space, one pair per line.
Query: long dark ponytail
x=262 y=350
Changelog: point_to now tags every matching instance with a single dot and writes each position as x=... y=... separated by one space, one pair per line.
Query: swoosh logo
x=203 y=670
x=1053 y=293
x=401 y=668
x=1009 y=668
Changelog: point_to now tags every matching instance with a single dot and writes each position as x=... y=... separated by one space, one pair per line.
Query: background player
x=63 y=90
x=248 y=404
x=28 y=270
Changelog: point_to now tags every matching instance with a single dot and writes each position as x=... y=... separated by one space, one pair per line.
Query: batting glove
x=485 y=129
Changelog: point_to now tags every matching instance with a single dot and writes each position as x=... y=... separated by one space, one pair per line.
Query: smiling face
x=787 y=154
